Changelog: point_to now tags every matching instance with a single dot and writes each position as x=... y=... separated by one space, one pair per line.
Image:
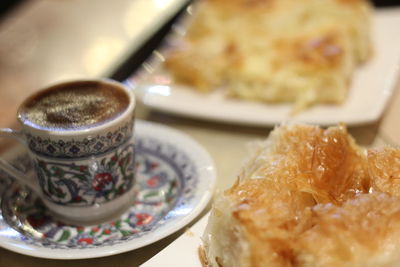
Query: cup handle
x=11 y=170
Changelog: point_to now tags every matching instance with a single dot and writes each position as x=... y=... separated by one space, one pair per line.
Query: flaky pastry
x=309 y=197
x=299 y=51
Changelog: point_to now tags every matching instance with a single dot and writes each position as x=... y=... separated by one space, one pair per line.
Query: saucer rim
x=206 y=173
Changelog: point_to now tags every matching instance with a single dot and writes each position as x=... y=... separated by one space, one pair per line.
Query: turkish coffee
x=74 y=106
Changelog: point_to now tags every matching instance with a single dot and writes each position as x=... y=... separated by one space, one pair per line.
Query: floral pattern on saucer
x=166 y=179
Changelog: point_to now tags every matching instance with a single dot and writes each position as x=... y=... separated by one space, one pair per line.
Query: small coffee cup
x=79 y=136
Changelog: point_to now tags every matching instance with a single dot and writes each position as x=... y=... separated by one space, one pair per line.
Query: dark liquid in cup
x=74 y=106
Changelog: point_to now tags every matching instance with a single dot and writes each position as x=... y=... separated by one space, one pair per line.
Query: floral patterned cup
x=83 y=175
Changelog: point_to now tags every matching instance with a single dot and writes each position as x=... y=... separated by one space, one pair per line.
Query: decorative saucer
x=175 y=178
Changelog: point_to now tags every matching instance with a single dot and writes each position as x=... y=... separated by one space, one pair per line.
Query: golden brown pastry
x=309 y=197
x=299 y=51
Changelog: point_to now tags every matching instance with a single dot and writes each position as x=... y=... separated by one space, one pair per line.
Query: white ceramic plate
x=175 y=178
x=370 y=91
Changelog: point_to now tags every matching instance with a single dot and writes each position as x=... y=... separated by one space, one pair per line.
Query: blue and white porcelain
x=175 y=178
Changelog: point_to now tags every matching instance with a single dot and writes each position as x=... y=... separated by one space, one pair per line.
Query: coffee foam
x=74 y=106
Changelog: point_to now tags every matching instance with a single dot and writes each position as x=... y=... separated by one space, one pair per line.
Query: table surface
x=37 y=49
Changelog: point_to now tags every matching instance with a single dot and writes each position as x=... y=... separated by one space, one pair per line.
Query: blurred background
x=45 y=41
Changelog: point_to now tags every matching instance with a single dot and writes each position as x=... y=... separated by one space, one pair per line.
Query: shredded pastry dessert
x=298 y=51
x=309 y=197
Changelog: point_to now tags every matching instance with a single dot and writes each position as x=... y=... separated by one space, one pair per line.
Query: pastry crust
x=299 y=51
x=309 y=197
